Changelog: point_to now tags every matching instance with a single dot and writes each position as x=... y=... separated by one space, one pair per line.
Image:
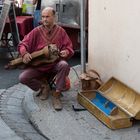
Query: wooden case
x=114 y=103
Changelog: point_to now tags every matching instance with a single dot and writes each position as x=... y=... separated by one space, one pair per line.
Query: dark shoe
x=56 y=101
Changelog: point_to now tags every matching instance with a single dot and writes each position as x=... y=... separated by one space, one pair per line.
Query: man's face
x=48 y=18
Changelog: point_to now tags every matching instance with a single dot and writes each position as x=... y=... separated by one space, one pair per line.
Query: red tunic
x=40 y=37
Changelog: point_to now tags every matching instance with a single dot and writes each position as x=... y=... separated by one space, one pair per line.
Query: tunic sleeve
x=26 y=45
x=67 y=44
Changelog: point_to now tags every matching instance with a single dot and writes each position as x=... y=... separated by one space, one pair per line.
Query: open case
x=114 y=103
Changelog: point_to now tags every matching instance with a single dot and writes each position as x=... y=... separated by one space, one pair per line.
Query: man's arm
x=24 y=47
x=67 y=47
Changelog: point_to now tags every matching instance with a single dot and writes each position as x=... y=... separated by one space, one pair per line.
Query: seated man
x=47 y=33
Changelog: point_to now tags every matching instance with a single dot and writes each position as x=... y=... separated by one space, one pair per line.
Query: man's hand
x=64 y=53
x=27 y=58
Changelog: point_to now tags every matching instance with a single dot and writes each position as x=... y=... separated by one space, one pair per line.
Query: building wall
x=114 y=40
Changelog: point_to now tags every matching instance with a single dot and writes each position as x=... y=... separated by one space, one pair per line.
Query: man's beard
x=45 y=23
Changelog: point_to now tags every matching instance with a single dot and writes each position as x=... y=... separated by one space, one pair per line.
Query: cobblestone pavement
x=12 y=113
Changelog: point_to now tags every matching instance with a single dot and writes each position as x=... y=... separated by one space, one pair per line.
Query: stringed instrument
x=48 y=54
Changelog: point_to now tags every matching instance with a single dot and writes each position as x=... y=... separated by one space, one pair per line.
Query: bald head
x=50 y=10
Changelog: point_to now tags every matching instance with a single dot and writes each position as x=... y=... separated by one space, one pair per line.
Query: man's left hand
x=64 y=53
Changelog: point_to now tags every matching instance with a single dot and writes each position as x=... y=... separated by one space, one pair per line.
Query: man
x=37 y=39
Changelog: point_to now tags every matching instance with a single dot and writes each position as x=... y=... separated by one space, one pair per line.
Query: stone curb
x=29 y=107
x=28 y=104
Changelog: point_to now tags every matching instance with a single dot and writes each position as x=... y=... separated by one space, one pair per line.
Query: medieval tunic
x=36 y=40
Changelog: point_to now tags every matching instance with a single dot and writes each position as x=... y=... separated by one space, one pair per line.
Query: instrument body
x=48 y=54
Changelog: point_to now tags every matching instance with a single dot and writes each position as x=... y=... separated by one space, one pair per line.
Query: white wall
x=114 y=40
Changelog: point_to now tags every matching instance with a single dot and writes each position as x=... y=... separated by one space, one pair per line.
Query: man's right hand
x=27 y=58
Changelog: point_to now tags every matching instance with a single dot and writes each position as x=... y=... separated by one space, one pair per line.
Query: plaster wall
x=114 y=40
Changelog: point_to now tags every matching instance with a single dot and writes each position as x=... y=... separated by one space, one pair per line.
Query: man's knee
x=23 y=78
x=64 y=64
